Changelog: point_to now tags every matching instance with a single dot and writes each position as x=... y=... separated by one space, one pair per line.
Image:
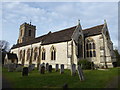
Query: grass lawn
x=93 y=79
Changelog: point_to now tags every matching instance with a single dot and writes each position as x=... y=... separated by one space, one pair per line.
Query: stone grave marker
x=62 y=69
x=19 y=68
x=73 y=69
x=11 y=67
x=31 y=67
x=42 y=71
x=47 y=67
x=80 y=73
x=57 y=67
x=15 y=66
x=6 y=65
x=40 y=65
x=25 y=71
x=50 y=68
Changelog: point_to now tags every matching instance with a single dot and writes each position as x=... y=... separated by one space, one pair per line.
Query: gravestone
x=40 y=67
x=25 y=71
x=43 y=64
x=80 y=73
x=73 y=69
x=11 y=67
x=57 y=67
x=31 y=67
x=19 y=68
x=6 y=65
x=62 y=69
x=92 y=66
x=42 y=70
x=50 y=68
x=47 y=67
x=37 y=66
x=15 y=66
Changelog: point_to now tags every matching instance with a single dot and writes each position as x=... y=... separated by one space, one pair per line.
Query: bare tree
x=4 y=46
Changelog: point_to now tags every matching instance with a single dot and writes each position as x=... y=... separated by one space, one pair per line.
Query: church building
x=66 y=46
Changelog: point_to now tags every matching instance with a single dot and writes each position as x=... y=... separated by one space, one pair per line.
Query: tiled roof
x=60 y=36
x=93 y=31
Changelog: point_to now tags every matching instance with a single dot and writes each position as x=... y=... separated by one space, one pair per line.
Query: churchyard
x=46 y=77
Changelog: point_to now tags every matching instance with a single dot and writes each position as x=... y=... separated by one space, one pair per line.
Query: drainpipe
x=72 y=56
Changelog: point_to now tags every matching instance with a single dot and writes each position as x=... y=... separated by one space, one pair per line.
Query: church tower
x=26 y=32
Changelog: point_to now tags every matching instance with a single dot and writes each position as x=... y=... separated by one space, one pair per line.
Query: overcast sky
x=54 y=16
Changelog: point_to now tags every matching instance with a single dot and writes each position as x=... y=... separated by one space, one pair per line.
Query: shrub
x=85 y=64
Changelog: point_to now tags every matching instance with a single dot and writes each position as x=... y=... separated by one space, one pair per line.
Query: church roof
x=93 y=30
x=61 y=36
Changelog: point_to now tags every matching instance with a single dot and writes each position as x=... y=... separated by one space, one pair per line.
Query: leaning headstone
x=50 y=68
x=62 y=69
x=10 y=68
x=42 y=71
x=25 y=71
x=57 y=67
x=47 y=67
x=73 y=70
x=80 y=73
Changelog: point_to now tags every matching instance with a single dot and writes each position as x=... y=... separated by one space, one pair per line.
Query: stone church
x=66 y=46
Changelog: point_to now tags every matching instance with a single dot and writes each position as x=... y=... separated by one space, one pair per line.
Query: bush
x=85 y=64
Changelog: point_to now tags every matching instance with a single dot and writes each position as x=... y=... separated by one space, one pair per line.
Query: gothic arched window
x=29 y=33
x=35 y=54
x=53 y=53
x=90 y=48
x=43 y=54
x=80 y=47
x=28 y=54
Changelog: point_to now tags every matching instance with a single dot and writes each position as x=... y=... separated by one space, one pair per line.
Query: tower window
x=29 y=32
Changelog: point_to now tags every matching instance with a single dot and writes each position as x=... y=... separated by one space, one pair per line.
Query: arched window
x=94 y=53
x=53 y=53
x=80 y=47
x=28 y=55
x=90 y=45
x=43 y=54
x=21 y=55
x=90 y=48
x=29 y=33
x=93 y=45
x=35 y=54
